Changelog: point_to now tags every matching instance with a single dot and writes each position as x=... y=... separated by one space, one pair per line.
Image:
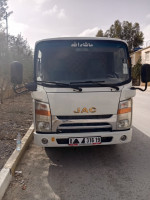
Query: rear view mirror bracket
x=20 y=90
x=26 y=88
x=134 y=88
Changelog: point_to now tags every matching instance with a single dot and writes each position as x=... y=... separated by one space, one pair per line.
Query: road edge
x=8 y=170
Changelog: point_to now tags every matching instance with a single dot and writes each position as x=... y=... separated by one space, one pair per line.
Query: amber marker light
x=53 y=139
x=124 y=110
x=42 y=117
x=124 y=115
x=43 y=112
x=42 y=109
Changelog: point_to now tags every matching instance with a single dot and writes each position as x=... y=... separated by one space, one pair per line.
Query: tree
x=3 y=8
x=100 y=33
x=21 y=51
x=126 y=31
x=136 y=73
x=115 y=30
x=16 y=48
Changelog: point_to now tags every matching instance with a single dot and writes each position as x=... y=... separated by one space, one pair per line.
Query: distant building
x=143 y=54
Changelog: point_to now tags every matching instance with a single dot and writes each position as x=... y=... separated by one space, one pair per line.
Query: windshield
x=76 y=61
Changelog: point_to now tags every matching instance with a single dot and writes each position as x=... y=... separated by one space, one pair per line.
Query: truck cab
x=83 y=95
x=82 y=91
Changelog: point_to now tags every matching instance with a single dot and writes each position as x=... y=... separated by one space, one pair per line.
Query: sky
x=40 y=19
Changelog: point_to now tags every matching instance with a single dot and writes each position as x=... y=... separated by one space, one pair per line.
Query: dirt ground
x=15 y=117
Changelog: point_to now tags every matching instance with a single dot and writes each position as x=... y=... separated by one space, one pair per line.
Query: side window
x=121 y=63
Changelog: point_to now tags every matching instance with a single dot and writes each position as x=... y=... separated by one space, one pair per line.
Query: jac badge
x=85 y=110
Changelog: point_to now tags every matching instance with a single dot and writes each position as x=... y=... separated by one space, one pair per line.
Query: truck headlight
x=42 y=117
x=124 y=115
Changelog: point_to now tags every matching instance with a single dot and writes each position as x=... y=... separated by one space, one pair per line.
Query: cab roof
x=80 y=38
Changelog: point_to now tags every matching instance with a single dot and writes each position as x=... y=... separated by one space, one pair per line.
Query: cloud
x=38 y=4
x=148 y=16
x=89 y=32
x=40 y=1
x=51 y=11
x=55 y=11
x=61 y=14
x=16 y=27
x=65 y=35
x=35 y=4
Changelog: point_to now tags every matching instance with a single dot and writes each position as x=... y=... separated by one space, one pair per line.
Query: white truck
x=82 y=91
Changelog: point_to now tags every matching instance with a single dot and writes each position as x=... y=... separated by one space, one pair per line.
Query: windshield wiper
x=87 y=82
x=46 y=83
x=99 y=83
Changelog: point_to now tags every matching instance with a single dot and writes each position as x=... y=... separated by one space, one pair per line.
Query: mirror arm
x=31 y=86
x=133 y=88
x=26 y=88
x=20 y=92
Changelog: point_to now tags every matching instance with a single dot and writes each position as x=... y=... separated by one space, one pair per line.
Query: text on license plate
x=84 y=140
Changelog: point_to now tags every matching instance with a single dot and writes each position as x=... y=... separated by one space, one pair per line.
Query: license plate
x=84 y=141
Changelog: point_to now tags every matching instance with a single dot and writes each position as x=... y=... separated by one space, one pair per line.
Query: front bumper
x=61 y=140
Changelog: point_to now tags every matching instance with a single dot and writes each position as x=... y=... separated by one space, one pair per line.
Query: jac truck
x=82 y=91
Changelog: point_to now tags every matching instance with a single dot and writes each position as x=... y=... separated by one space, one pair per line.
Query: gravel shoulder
x=15 y=116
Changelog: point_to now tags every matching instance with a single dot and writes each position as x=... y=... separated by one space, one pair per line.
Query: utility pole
x=6 y=18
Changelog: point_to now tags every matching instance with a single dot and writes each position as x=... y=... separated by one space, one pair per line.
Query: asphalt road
x=141 y=111
x=120 y=172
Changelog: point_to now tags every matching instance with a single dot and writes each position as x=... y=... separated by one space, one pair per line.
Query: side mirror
x=145 y=73
x=16 y=72
x=145 y=77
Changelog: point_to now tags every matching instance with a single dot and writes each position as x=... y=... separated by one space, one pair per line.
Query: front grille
x=83 y=124
x=84 y=130
x=84 y=117
x=84 y=127
x=66 y=140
